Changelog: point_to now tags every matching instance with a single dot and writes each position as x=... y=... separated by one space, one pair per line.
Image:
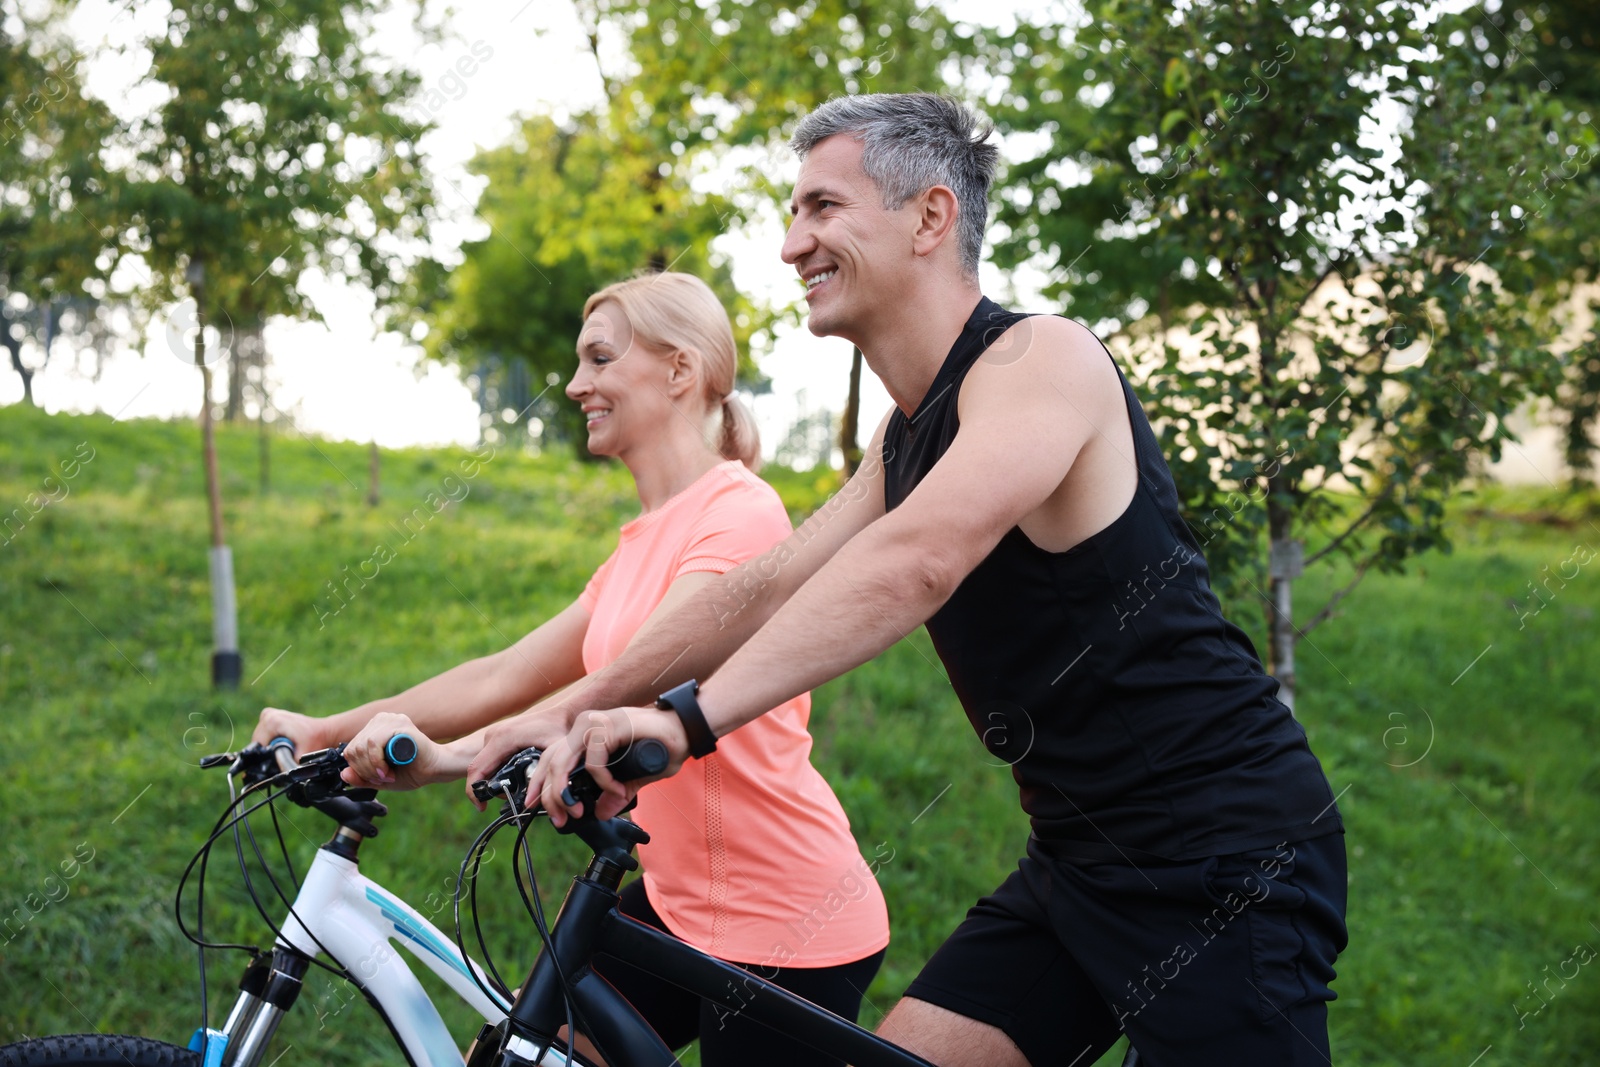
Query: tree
x=56 y=245
x=695 y=91
x=739 y=74
x=569 y=210
x=1554 y=47
x=1324 y=333
x=282 y=146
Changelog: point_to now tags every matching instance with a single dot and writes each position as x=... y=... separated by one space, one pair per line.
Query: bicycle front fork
x=267 y=990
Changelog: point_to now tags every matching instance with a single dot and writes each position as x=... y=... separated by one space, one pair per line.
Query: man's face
x=845 y=246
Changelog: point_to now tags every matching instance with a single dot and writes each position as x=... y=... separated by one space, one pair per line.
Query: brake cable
x=202 y=857
x=473 y=859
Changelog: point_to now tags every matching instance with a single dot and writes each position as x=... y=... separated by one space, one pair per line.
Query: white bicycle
x=338 y=913
x=355 y=925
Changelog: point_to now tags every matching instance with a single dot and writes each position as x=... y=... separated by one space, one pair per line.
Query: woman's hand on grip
x=308 y=732
x=369 y=764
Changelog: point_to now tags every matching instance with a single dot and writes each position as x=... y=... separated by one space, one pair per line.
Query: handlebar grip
x=643 y=759
x=282 y=749
x=400 y=750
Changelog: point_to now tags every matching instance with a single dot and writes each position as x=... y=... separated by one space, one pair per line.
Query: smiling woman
x=654 y=379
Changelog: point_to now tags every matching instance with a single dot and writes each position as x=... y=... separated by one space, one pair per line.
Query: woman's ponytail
x=740 y=438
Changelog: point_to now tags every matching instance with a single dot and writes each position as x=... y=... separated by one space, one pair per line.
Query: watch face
x=688 y=689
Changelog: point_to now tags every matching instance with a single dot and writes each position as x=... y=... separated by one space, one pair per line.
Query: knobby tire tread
x=96 y=1050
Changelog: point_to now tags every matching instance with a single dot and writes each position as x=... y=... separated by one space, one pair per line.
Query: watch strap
x=682 y=699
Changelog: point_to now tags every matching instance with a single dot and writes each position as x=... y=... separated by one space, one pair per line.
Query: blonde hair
x=674 y=311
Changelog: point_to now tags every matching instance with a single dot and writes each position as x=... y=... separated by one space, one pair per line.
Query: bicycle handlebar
x=315 y=779
x=645 y=759
x=282 y=750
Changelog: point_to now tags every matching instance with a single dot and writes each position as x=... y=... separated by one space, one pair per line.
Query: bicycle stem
x=540 y=1008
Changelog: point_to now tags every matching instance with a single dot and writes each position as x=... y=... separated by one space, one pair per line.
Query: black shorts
x=726 y=1037
x=1220 y=961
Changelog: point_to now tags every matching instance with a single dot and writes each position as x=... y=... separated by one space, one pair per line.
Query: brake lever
x=317 y=777
x=512 y=776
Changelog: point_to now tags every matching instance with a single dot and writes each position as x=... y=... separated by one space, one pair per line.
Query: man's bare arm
x=1019 y=437
x=700 y=635
x=1020 y=434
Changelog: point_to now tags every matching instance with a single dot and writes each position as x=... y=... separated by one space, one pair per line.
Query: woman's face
x=622 y=386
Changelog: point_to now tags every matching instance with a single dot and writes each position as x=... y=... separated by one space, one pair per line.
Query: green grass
x=1471 y=795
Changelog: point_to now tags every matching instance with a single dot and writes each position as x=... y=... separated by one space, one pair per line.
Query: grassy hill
x=1462 y=739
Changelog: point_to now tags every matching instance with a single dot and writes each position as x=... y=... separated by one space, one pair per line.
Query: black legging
x=727 y=1038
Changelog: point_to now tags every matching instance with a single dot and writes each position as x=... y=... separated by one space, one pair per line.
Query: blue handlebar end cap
x=281 y=742
x=401 y=750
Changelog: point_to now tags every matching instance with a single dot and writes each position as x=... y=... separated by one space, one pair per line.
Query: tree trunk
x=14 y=346
x=373 y=496
x=1284 y=566
x=226 y=663
x=208 y=446
x=850 y=421
x=225 y=660
x=238 y=360
x=258 y=350
x=249 y=353
x=264 y=447
x=1283 y=558
x=49 y=310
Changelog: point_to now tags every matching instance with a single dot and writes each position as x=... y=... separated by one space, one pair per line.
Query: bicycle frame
x=589 y=923
x=358 y=923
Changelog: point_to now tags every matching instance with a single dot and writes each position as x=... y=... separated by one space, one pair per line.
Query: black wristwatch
x=681 y=699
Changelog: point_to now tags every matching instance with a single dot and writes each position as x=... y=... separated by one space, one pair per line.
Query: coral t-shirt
x=750 y=856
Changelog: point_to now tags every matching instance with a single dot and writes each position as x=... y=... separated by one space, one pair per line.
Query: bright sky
x=344 y=379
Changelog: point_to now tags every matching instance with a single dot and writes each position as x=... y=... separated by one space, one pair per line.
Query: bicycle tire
x=96 y=1050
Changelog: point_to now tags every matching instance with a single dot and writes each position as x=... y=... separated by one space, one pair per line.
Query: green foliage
x=570 y=207
x=283 y=146
x=1465 y=783
x=1309 y=313
x=802 y=491
x=734 y=73
x=686 y=148
x=57 y=244
x=1554 y=48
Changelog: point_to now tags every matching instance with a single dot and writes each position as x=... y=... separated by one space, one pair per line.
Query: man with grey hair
x=1184 y=881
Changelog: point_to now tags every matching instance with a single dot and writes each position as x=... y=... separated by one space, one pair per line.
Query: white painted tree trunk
x=1286 y=563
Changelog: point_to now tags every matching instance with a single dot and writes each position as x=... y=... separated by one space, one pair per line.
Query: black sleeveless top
x=1137 y=721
